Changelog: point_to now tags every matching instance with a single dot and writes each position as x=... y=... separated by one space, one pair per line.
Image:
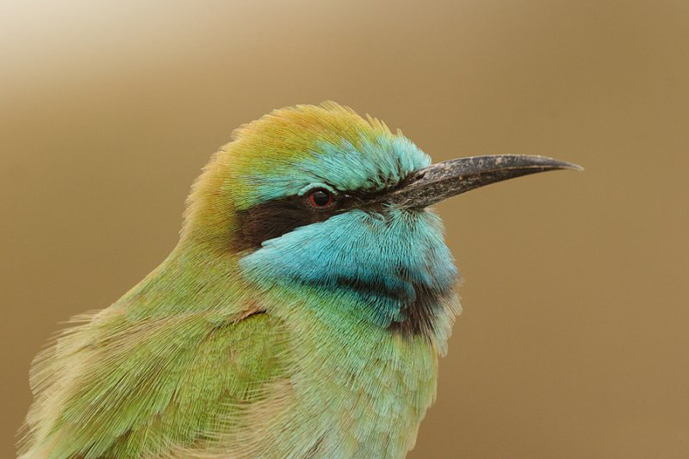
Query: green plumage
x=296 y=348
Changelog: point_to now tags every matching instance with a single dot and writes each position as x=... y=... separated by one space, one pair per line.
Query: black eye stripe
x=274 y=218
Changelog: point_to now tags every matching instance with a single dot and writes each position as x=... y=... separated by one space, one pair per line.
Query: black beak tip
x=566 y=165
x=544 y=162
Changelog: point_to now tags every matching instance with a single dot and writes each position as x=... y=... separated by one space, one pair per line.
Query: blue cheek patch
x=365 y=256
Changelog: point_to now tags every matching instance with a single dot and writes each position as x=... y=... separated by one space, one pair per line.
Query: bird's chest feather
x=356 y=389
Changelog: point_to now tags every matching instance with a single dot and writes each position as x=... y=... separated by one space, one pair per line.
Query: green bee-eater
x=301 y=315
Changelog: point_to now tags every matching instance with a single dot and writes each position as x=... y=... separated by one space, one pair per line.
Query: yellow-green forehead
x=294 y=133
x=291 y=148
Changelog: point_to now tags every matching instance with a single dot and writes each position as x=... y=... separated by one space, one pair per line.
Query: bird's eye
x=320 y=198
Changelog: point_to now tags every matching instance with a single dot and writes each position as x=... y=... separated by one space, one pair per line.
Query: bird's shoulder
x=123 y=385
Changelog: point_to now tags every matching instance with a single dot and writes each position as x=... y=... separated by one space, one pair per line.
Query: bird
x=302 y=313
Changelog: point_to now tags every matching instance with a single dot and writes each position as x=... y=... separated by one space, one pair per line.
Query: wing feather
x=114 y=387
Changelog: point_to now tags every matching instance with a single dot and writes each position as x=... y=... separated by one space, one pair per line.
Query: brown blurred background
x=574 y=341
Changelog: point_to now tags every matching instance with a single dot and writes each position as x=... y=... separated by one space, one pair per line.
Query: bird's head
x=320 y=199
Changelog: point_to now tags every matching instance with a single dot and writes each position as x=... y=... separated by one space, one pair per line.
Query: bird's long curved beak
x=450 y=178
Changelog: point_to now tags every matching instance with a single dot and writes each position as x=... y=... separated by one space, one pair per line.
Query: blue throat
x=391 y=269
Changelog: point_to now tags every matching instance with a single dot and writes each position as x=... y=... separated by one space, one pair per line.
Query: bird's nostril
x=415 y=176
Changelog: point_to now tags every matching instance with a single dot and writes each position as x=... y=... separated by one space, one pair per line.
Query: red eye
x=320 y=198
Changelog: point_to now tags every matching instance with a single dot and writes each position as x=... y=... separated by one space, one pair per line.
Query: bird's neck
x=194 y=278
